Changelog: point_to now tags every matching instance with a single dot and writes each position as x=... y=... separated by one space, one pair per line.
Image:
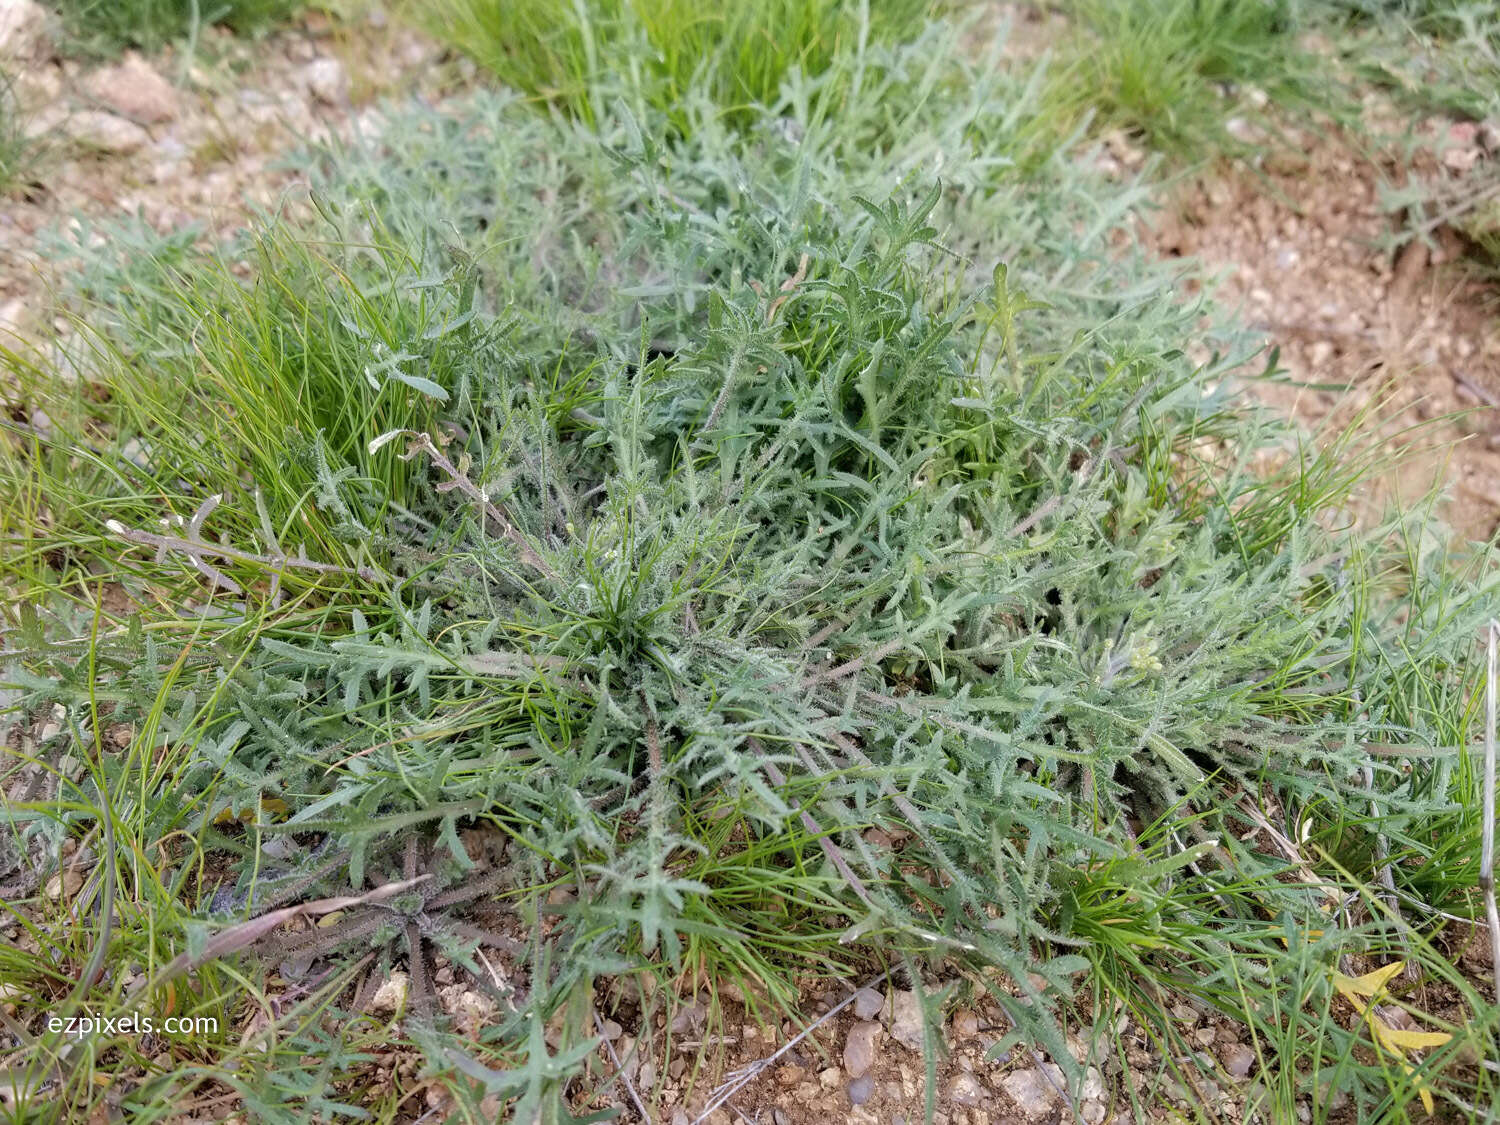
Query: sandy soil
x=1403 y=343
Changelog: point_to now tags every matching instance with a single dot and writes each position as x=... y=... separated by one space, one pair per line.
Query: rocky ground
x=1302 y=242
x=865 y=1064
x=1401 y=342
x=181 y=142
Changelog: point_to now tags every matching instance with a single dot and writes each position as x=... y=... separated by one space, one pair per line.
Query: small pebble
x=966 y=1090
x=861 y=1090
x=391 y=995
x=859 y=1047
x=1237 y=1058
x=867 y=1003
x=906 y=1020
x=1030 y=1090
x=965 y=1024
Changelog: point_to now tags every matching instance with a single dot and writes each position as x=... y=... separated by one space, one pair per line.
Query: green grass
x=196 y=367
x=732 y=56
x=108 y=26
x=1172 y=74
x=669 y=498
x=18 y=152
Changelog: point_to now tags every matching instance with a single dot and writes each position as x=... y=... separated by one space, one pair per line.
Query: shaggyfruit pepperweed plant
x=770 y=584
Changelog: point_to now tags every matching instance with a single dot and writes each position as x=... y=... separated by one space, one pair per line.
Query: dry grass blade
x=245 y=934
x=614 y=1057
x=195 y=548
x=458 y=479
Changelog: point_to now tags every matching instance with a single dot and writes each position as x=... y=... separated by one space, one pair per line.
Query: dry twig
x=746 y=1074
x=640 y=1106
x=198 y=550
x=235 y=938
x=457 y=479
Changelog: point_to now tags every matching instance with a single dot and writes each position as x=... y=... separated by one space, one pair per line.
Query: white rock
x=966 y=1090
x=23 y=24
x=391 y=995
x=135 y=90
x=106 y=132
x=1093 y=1084
x=53 y=726
x=906 y=1020
x=471 y=1011
x=1243 y=131
x=325 y=80
x=14 y=320
x=1461 y=159
x=859 y=1047
x=1030 y=1090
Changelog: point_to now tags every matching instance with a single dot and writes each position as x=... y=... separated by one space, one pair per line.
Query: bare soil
x=195 y=143
x=1402 y=343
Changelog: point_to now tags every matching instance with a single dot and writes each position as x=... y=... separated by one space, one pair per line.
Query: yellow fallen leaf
x=1409 y=1040
x=1423 y=1091
x=1370 y=985
x=269 y=806
x=1396 y=1041
x=1399 y=1040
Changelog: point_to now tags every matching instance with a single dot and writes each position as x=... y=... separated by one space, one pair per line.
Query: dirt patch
x=859 y=1059
x=1404 y=342
x=183 y=141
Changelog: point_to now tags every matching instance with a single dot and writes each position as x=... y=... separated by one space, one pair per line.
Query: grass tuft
x=732 y=57
x=109 y=26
